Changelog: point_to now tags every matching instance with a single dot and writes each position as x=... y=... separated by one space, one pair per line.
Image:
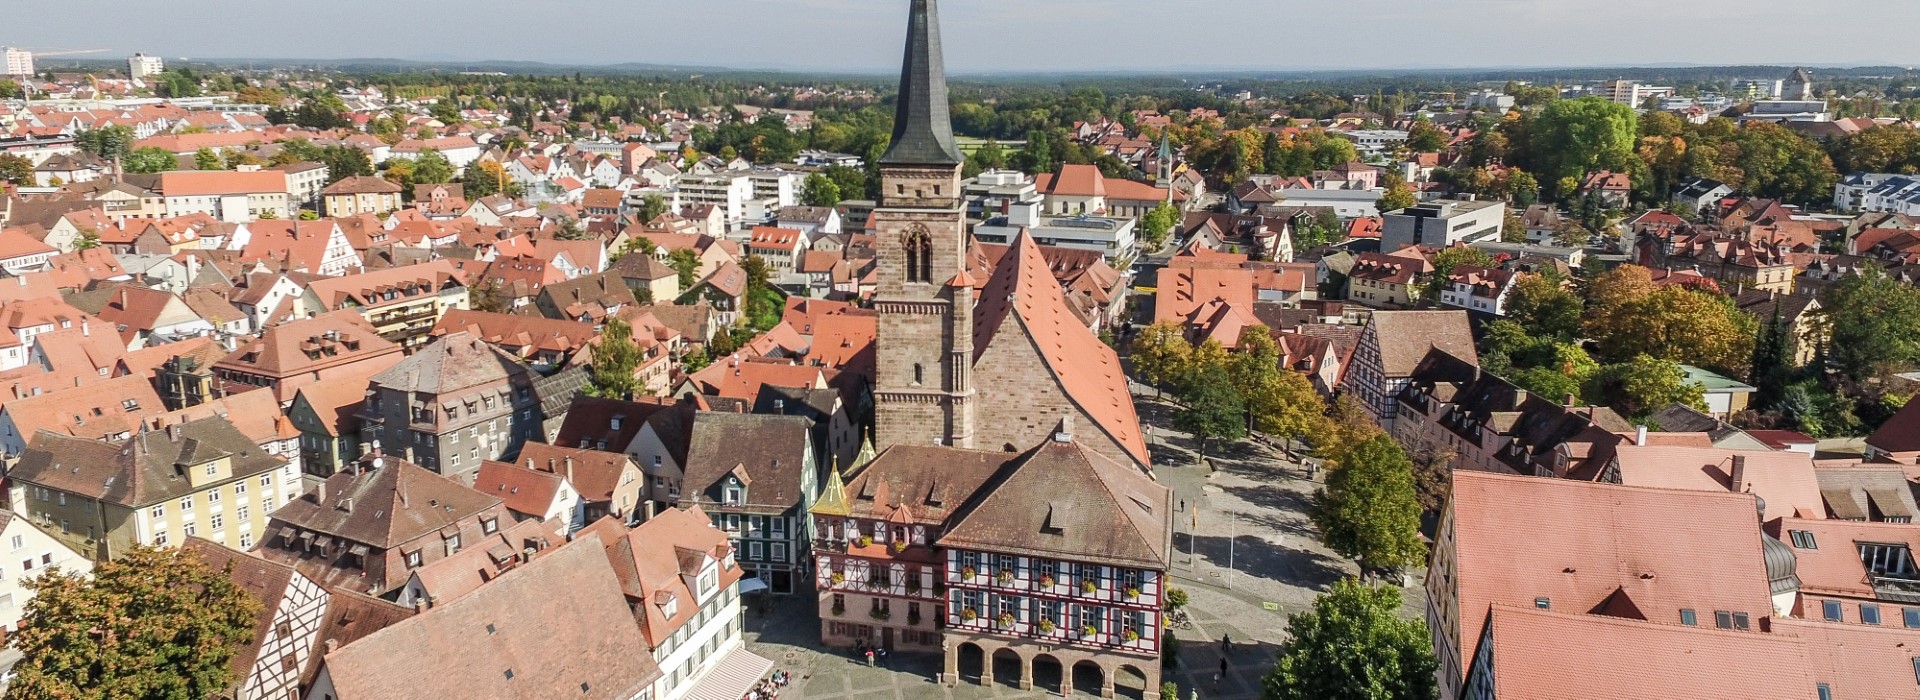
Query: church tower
x=923 y=393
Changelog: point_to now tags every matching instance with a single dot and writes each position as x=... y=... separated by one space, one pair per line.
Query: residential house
x=555 y=626
x=608 y=484
x=361 y=194
x=1610 y=189
x=544 y=343
x=290 y=356
x=234 y=197
x=1897 y=440
x=681 y=578
x=1699 y=194
x=1082 y=189
x=1392 y=346
x=782 y=248
x=756 y=476
x=1479 y=289
x=1661 y=555
x=724 y=291
x=327 y=414
x=532 y=494
x=367 y=528
x=106 y=409
x=454 y=404
x=651 y=280
x=1798 y=314
x=37 y=551
x=201 y=478
x=285 y=630
x=402 y=303
x=587 y=299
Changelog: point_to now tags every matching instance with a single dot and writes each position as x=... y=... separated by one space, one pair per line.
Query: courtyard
x=1243 y=550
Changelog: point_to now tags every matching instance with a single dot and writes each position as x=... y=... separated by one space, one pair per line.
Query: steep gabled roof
x=1062 y=500
x=555 y=627
x=1023 y=288
x=384 y=506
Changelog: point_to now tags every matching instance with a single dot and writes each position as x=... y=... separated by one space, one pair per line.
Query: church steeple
x=922 y=129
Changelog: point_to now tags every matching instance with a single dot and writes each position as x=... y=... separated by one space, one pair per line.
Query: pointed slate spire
x=922 y=129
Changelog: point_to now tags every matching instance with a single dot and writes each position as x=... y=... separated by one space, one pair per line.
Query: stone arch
x=971 y=661
x=1049 y=673
x=1089 y=677
x=1009 y=666
x=1131 y=680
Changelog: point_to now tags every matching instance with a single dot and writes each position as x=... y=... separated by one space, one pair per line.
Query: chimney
x=86 y=328
x=320 y=493
x=569 y=463
x=331 y=644
x=173 y=433
x=419 y=606
x=1568 y=402
x=1640 y=436
x=1739 y=480
x=1065 y=434
x=346 y=504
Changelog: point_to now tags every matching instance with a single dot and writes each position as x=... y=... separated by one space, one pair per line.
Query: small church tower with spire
x=923 y=393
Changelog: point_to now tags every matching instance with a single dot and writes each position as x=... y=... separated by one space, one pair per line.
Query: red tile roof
x=1664 y=549
x=1785 y=480
x=1023 y=289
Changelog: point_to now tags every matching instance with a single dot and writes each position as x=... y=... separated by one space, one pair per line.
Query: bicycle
x=1179 y=619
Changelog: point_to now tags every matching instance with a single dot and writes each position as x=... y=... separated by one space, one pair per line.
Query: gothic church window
x=919 y=245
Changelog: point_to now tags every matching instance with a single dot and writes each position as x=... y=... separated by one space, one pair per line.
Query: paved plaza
x=1244 y=552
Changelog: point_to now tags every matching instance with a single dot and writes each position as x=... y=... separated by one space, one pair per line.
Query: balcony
x=423 y=313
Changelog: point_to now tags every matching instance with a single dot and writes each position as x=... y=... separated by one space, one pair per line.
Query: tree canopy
x=1354 y=645
x=615 y=358
x=1572 y=137
x=1368 y=510
x=1875 y=324
x=156 y=623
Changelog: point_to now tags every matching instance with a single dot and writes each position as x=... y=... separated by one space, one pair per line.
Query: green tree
x=1397 y=196
x=1279 y=402
x=1571 y=137
x=150 y=160
x=345 y=161
x=1522 y=188
x=1161 y=353
x=1214 y=410
x=1513 y=229
x=16 y=169
x=324 y=111
x=1158 y=223
x=482 y=178
x=89 y=239
x=651 y=207
x=1424 y=137
x=615 y=358
x=1368 y=510
x=156 y=623
x=1779 y=162
x=852 y=181
x=9 y=89
x=1874 y=321
x=572 y=230
x=1545 y=307
x=1879 y=149
x=819 y=191
x=1643 y=386
x=206 y=159
x=489 y=297
x=687 y=263
x=447 y=111
x=431 y=168
x=107 y=142
x=1679 y=324
x=1354 y=645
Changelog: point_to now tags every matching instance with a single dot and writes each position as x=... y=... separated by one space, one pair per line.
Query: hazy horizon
x=998 y=36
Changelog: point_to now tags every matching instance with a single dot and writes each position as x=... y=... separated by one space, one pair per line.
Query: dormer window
x=732 y=496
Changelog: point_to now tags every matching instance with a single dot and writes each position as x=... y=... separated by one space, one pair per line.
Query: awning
x=730 y=677
x=752 y=584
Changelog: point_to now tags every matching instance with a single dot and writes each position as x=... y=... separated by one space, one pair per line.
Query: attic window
x=509 y=674
x=1688 y=617
x=1543 y=603
x=1802 y=539
x=490 y=628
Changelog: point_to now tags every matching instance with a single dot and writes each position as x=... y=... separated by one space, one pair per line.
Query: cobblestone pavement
x=1245 y=554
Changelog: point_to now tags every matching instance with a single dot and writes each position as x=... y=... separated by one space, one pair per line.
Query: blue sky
x=993 y=35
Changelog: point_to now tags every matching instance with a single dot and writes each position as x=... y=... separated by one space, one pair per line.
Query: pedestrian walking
x=869 y=658
x=1223 y=667
x=1226 y=646
x=883 y=656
